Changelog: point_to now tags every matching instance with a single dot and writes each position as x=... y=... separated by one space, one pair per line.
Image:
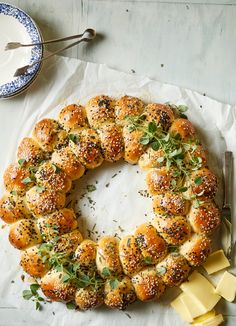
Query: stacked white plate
x=17 y=26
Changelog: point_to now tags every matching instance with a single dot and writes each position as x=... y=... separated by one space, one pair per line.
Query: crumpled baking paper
x=119 y=202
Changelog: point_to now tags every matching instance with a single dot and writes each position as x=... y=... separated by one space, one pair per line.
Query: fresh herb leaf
x=75 y=138
x=39 y=189
x=34 y=288
x=152 y=127
x=114 y=283
x=27 y=294
x=91 y=188
x=161 y=270
x=21 y=162
x=147 y=260
x=106 y=272
x=182 y=108
x=145 y=139
x=155 y=145
x=172 y=248
x=56 y=168
x=27 y=180
x=182 y=189
x=66 y=278
x=70 y=305
x=160 y=159
x=38 y=306
x=198 y=181
x=13 y=192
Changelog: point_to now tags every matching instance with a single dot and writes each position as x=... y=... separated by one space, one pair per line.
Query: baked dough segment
x=72 y=117
x=49 y=135
x=122 y=295
x=152 y=245
x=173 y=269
x=148 y=285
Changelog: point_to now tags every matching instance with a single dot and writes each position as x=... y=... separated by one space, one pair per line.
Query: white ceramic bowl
x=17 y=26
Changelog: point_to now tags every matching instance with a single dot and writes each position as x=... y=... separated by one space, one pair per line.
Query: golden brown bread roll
x=24 y=233
x=72 y=117
x=49 y=135
x=108 y=257
x=86 y=145
x=161 y=114
x=29 y=151
x=50 y=176
x=112 y=143
x=44 y=201
x=60 y=222
x=130 y=255
x=89 y=297
x=128 y=106
x=183 y=128
x=67 y=243
x=100 y=109
x=174 y=229
x=201 y=184
x=161 y=180
x=13 y=208
x=150 y=159
x=17 y=179
x=204 y=218
x=119 y=293
x=66 y=160
x=133 y=148
x=196 y=249
x=174 y=269
x=151 y=244
x=32 y=262
x=54 y=288
x=170 y=203
x=85 y=255
x=148 y=285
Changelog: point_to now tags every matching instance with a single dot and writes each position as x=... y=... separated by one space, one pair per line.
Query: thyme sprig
x=172 y=146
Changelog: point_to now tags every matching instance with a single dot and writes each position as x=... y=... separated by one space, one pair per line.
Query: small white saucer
x=17 y=26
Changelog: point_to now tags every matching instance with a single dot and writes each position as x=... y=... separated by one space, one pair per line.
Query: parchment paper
x=118 y=204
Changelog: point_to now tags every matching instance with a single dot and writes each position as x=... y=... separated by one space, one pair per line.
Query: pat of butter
x=208 y=315
x=212 y=321
x=201 y=291
x=180 y=308
x=216 y=262
x=192 y=305
x=227 y=286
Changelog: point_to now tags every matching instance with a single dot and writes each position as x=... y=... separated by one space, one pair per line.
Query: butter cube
x=201 y=291
x=212 y=321
x=227 y=287
x=192 y=305
x=208 y=315
x=180 y=308
x=216 y=262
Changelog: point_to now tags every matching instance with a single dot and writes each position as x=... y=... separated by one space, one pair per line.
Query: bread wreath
x=160 y=253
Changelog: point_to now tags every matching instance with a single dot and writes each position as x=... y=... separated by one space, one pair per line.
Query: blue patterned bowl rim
x=21 y=82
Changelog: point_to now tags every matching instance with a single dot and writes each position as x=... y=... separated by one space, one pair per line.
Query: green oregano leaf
x=161 y=270
x=106 y=272
x=56 y=168
x=145 y=139
x=27 y=180
x=70 y=305
x=21 y=162
x=198 y=181
x=39 y=189
x=114 y=283
x=75 y=138
x=147 y=260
